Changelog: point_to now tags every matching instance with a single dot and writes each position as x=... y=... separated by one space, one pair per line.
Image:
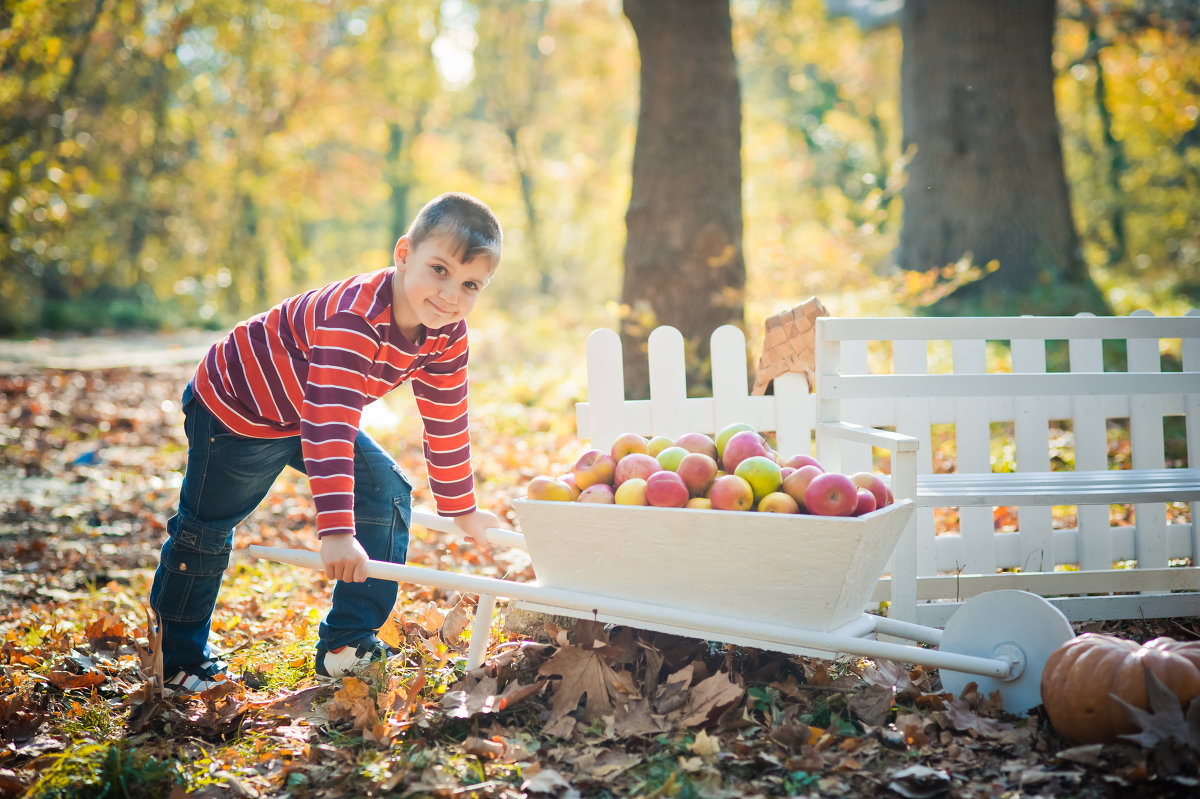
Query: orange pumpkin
x=1083 y=675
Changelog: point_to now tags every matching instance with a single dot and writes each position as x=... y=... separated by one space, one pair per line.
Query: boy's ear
x=400 y=255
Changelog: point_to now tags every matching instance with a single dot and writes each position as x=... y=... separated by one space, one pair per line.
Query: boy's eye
x=471 y=285
x=441 y=270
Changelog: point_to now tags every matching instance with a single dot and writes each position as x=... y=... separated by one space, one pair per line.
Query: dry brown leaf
x=872 y=704
x=709 y=698
x=958 y=715
x=454 y=623
x=584 y=673
x=353 y=702
x=65 y=681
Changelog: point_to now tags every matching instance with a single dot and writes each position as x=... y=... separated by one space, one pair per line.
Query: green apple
x=657 y=444
x=671 y=457
x=762 y=473
x=725 y=434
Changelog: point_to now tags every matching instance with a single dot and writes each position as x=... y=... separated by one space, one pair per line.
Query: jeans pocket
x=189 y=573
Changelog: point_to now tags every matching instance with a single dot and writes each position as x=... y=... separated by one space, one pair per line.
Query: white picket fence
x=976 y=548
x=670 y=412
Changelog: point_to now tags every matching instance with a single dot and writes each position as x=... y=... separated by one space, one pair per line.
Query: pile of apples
x=735 y=470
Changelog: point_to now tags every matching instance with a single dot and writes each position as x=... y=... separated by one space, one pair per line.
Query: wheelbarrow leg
x=481 y=631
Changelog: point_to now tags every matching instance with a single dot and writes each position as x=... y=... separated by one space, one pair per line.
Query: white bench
x=912 y=376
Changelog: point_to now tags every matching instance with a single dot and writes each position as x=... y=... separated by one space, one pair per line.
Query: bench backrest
x=1054 y=398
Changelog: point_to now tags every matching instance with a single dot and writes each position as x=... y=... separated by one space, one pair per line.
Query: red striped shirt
x=309 y=365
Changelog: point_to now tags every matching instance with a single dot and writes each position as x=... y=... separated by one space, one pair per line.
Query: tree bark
x=683 y=252
x=987 y=178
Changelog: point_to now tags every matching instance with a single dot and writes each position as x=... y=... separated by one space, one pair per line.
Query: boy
x=287 y=388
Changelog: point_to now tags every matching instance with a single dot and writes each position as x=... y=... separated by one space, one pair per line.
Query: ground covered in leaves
x=89 y=473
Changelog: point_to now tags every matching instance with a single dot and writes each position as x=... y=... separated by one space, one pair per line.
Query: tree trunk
x=683 y=251
x=987 y=178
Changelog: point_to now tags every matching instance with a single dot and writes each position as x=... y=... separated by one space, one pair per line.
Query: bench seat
x=1104 y=487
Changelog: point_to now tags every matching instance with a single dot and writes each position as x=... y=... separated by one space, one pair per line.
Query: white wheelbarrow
x=787 y=583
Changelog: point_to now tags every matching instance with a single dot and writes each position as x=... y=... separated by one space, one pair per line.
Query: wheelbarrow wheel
x=1018 y=625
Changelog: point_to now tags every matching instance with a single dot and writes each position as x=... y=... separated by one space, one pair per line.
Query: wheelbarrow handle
x=495 y=535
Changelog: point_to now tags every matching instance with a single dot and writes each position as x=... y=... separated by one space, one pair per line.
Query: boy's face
x=432 y=287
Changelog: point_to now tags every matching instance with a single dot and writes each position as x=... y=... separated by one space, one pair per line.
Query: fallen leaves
x=597 y=711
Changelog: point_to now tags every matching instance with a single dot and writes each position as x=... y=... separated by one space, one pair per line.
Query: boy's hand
x=474 y=526
x=344 y=558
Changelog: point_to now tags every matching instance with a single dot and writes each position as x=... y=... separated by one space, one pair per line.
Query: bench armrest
x=885 y=439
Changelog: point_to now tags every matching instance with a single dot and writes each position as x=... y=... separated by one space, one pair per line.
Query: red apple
x=637 y=464
x=872 y=483
x=548 y=489
x=665 y=489
x=730 y=492
x=627 y=443
x=866 y=502
x=698 y=471
x=741 y=445
x=698 y=442
x=569 y=479
x=778 y=502
x=599 y=493
x=594 y=467
x=727 y=432
x=796 y=482
x=798 y=460
x=831 y=494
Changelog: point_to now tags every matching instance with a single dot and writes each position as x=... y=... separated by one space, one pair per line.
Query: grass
x=108 y=770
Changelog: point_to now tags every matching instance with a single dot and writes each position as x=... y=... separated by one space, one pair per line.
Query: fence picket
x=1088 y=426
x=973 y=450
x=1148 y=451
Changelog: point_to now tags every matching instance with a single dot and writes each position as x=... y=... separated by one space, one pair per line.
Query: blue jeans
x=225 y=479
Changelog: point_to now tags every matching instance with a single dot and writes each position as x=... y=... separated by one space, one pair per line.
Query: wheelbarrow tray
x=800 y=571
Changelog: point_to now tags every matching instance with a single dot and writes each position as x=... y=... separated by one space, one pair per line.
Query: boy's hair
x=468 y=224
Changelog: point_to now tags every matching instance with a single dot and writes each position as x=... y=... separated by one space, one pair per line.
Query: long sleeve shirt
x=309 y=365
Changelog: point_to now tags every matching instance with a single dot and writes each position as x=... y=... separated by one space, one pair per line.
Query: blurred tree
x=986 y=180
x=683 y=252
x=1129 y=102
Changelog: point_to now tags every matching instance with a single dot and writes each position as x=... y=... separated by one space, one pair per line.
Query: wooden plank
x=1059 y=488
x=1191 y=363
x=1147 y=448
x=1101 y=581
x=1007 y=328
x=854 y=456
x=606 y=389
x=1031 y=431
x=668 y=382
x=973 y=450
x=796 y=414
x=1090 y=432
x=912 y=358
x=1012 y=385
x=729 y=377
x=1084 y=609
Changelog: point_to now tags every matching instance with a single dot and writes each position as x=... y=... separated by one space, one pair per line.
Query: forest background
x=172 y=165
x=169 y=165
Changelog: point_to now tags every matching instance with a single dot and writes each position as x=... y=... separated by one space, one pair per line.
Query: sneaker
x=351 y=659
x=194 y=679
